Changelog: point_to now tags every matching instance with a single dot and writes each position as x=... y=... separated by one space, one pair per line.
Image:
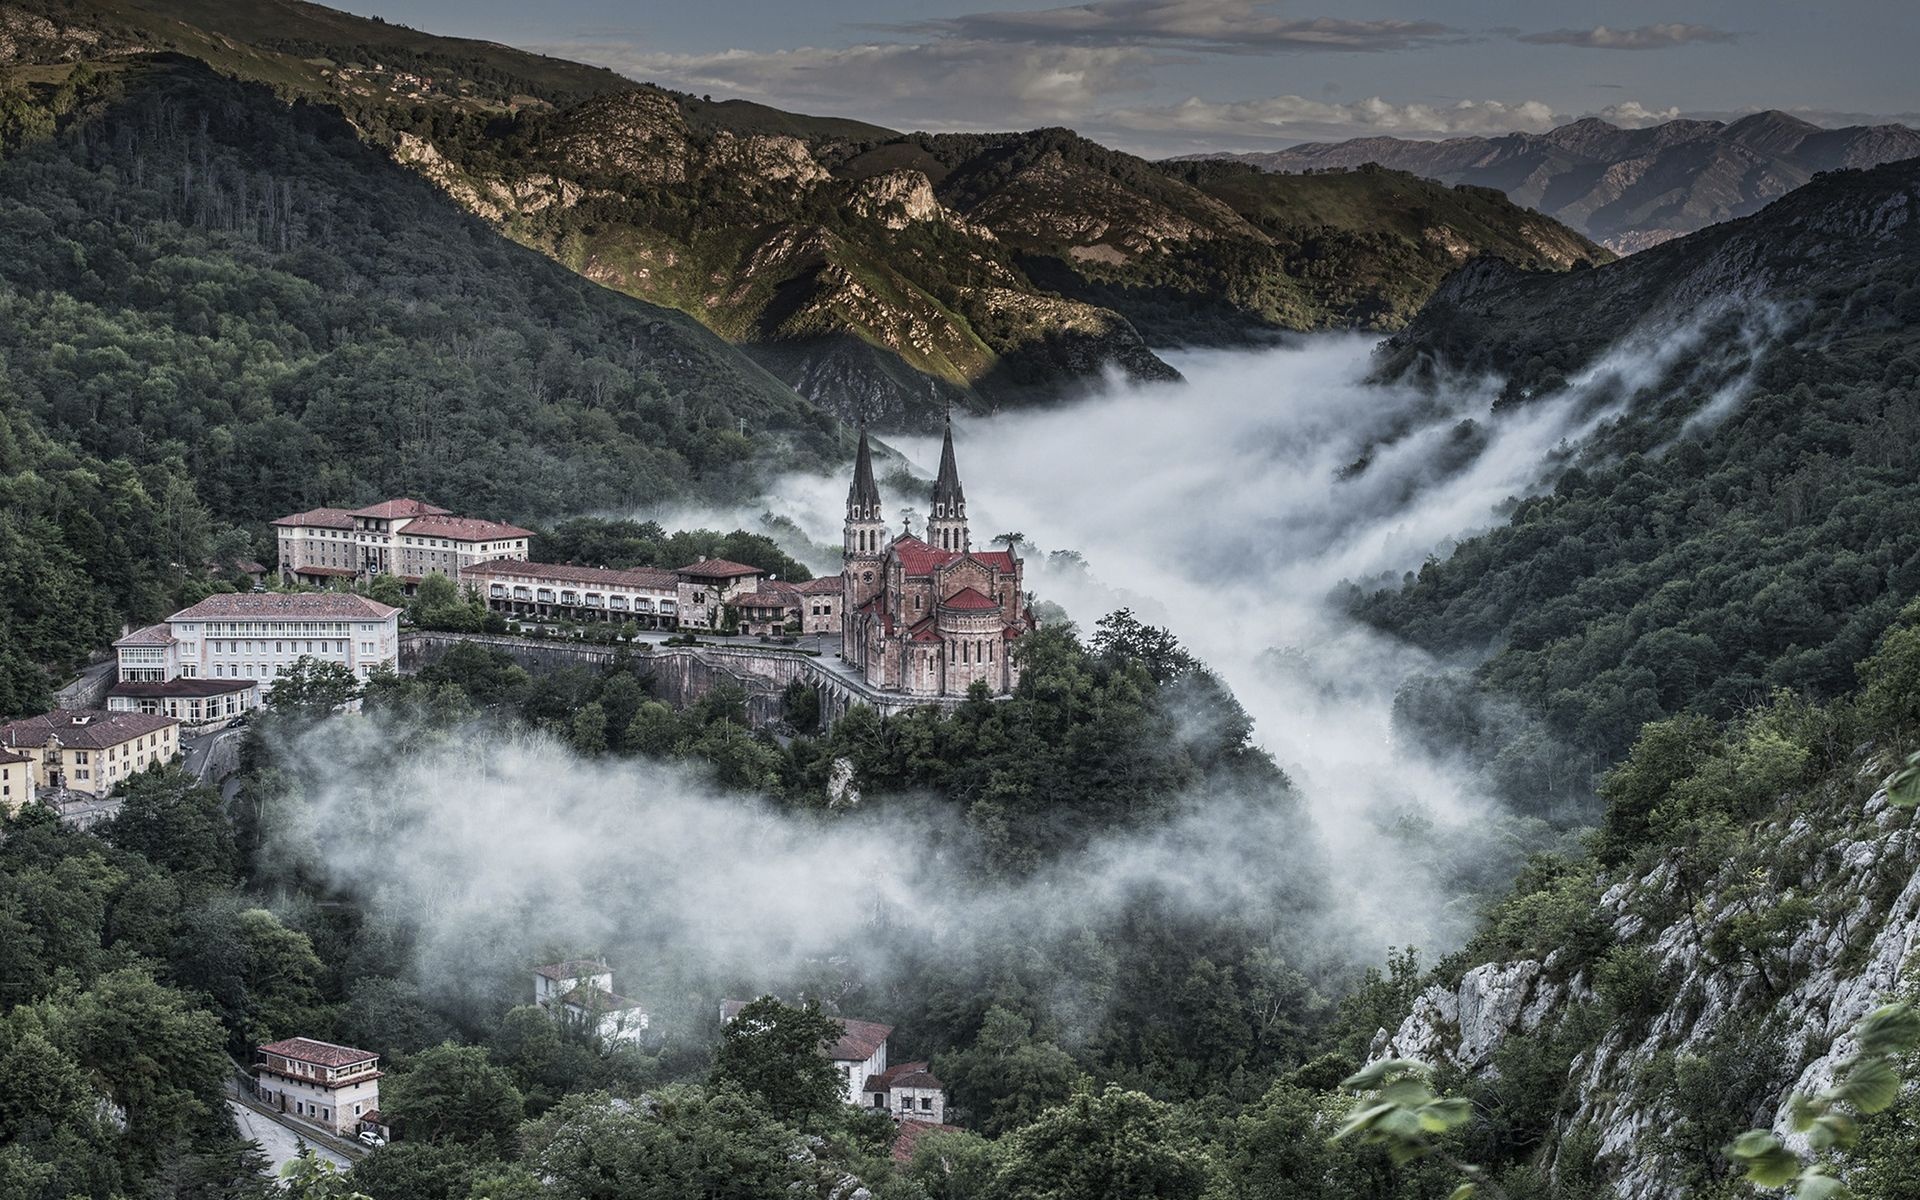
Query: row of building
x=338 y=1087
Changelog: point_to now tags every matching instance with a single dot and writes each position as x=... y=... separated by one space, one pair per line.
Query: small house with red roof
x=329 y=1085
x=928 y=616
x=860 y=1057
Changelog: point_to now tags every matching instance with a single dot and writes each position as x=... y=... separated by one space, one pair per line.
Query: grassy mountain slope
x=1627 y=188
x=219 y=307
x=1751 y=523
x=883 y=276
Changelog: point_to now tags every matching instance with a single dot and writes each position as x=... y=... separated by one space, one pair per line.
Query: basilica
x=932 y=616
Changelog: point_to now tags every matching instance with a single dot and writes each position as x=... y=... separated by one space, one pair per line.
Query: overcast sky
x=1168 y=76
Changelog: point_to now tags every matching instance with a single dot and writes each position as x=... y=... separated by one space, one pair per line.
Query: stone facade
x=326 y=1084
x=90 y=752
x=409 y=539
x=928 y=617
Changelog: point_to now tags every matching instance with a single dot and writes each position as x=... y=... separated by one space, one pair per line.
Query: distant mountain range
x=1625 y=188
x=882 y=275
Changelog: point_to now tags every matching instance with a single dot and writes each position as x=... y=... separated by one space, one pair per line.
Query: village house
x=779 y=607
x=708 y=587
x=647 y=596
x=580 y=992
x=84 y=751
x=221 y=656
x=860 y=1056
x=933 y=616
x=408 y=539
x=332 y=1086
x=16 y=781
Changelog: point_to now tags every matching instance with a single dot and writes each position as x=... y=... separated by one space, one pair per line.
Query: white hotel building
x=220 y=657
x=408 y=539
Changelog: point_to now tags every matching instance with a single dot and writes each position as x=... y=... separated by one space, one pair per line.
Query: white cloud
x=1211 y=26
x=1298 y=117
x=1635 y=115
x=1644 y=37
x=949 y=82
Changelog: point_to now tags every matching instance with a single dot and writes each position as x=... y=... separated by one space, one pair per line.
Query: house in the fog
x=860 y=1056
x=580 y=992
x=330 y=1085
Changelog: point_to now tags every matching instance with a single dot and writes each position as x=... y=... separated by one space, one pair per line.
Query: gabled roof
x=82 y=730
x=924 y=632
x=826 y=585
x=718 y=568
x=288 y=606
x=858 y=1039
x=905 y=1075
x=325 y=1054
x=918 y=558
x=321 y=518
x=970 y=598
x=463 y=529
x=150 y=635
x=626 y=577
x=999 y=560
x=393 y=510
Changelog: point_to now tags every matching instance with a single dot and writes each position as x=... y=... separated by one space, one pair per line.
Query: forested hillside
x=1752 y=522
x=883 y=276
x=219 y=307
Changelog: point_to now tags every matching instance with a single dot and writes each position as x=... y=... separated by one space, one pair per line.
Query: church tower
x=864 y=541
x=947 y=523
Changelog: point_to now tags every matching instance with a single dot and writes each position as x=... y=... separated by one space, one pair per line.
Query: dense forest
x=1748 y=525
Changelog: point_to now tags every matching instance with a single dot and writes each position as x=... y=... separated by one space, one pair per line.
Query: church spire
x=866 y=529
x=863 y=493
x=947 y=523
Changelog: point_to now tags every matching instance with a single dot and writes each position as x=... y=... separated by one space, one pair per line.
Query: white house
x=221 y=657
x=580 y=991
x=330 y=1085
x=860 y=1056
x=406 y=538
x=908 y=1092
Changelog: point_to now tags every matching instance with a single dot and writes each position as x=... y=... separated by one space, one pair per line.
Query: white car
x=369 y=1138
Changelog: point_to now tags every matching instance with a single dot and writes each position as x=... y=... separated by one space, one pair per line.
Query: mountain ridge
x=1626 y=188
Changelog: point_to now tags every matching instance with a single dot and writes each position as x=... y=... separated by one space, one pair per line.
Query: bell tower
x=947 y=522
x=864 y=539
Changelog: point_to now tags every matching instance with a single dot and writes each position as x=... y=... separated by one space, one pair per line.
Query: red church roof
x=970 y=598
x=923 y=632
x=918 y=558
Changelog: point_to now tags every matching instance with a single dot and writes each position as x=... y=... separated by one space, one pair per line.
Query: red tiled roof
x=149 y=635
x=393 y=510
x=924 y=632
x=185 y=688
x=718 y=568
x=325 y=1054
x=999 y=560
x=772 y=594
x=462 y=529
x=629 y=577
x=970 y=598
x=918 y=558
x=82 y=730
x=320 y=518
x=858 y=1040
x=909 y=1074
x=910 y=1134
x=826 y=585
x=7 y=758
x=290 y=606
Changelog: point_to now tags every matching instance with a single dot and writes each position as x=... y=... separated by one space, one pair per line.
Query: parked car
x=369 y=1138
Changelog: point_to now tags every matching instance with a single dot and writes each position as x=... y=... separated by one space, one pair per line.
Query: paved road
x=276 y=1141
x=215 y=755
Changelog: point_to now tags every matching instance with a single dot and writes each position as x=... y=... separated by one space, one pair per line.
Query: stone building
x=329 y=1085
x=933 y=616
x=408 y=539
x=647 y=596
x=708 y=587
x=221 y=656
x=90 y=752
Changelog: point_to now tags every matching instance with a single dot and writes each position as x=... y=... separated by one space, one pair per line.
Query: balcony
x=569 y=596
x=617 y=603
x=521 y=593
x=544 y=595
x=497 y=591
x=594 y=600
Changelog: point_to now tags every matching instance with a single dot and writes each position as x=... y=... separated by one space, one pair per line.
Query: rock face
x=1628 y=189
x=1844 y=961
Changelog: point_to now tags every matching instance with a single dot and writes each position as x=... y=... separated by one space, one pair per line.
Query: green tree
x=312 y=689
x=1117 y=1145
x=1006 y=1079
x=454 y=1094
x=675 y=1143
x=776 y=1052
